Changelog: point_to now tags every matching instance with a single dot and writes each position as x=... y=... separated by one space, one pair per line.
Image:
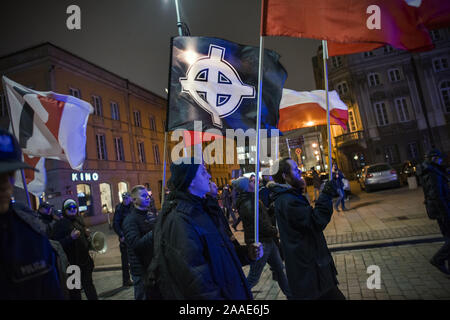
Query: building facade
x=125 y=134
x=395 y=99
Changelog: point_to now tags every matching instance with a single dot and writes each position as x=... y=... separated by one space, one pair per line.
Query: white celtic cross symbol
x=215 y=85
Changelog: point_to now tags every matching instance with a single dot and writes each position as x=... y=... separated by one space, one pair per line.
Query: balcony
x=352 y=138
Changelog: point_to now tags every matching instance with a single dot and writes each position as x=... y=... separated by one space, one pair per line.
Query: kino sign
x=84 y=176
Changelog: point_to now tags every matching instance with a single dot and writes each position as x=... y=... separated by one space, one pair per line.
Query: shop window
x=106 y=196
x=123 y=187
x=84 y=195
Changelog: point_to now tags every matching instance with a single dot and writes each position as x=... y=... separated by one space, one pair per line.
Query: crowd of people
x=187 y=250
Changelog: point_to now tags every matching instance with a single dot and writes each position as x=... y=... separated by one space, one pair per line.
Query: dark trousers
x=86 y=283
x=444 y=252
x=333 y=294
x=125 y=264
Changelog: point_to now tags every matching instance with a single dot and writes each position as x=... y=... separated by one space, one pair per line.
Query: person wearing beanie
x=24 y=245
x=194 y=256
x=73 y=235
x=45 y=212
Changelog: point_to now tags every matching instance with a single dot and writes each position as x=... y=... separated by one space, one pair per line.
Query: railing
x=349 y=137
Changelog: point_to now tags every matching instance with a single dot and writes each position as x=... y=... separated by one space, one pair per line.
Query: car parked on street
x=377 y=176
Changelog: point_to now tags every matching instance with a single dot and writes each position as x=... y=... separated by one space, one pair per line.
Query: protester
x=137 y=228
x=339 y=185
x=45 y=214
x=28 y=262
x=122 y=210
x=267 y=233
x=317 y=182
x=194 y=256
x=227 y=203
x=73 y=235
x=310 y=267
x=434 y=178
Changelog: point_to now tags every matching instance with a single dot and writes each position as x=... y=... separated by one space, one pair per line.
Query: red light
x=393 y=171
x=369 y=175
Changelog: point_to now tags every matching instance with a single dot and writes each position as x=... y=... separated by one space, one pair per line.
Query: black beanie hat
x=182 y=173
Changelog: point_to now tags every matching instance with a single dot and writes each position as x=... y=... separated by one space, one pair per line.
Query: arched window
x=106 y=196
x=444 y=88
x=84 y=195
x=123 y=187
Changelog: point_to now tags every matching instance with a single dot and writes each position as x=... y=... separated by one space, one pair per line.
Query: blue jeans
x=341 y=199
x=139 y=288
x=272 y=257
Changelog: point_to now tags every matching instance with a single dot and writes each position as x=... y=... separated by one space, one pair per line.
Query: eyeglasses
x=72 y=208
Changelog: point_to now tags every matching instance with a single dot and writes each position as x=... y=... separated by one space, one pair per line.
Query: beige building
x=125 y=135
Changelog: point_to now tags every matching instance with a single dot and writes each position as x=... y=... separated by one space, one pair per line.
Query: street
x=388 y=228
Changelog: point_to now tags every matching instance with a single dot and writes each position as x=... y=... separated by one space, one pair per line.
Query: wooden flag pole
x=325 y=73
x=24 y=181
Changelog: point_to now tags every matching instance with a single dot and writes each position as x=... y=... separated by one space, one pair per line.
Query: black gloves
x=330 y=189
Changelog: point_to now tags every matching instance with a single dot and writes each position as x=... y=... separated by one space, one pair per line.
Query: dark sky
x=131 y=38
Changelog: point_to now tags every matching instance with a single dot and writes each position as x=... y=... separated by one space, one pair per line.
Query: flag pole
x=325 y=73
x=24 y=181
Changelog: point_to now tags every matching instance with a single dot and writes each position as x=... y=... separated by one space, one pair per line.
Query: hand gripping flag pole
x=325 y=77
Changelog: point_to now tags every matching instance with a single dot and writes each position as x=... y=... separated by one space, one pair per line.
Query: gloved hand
x=330 y=189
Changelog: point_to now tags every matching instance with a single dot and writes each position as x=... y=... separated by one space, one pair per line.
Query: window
x=394 y=75
x=156 y=153
x=342 y=88
x=368 y=54
x=97 y=102
x=374 y=79
x=152 y=123
x=412 y=150
x=435 y=35
x=391 y=154
x=137 y=118
x=440 y=64
x=101 y=147
x=123 y=187
x=351 y=121
x=75 y=92
x=84 y=199
x=388 y=49
x=3 y=106
x=336 y=61
x=115 y=111
x=381 y=113
x=445 y=94
x=118 y=148
x=106 y=197
x=141 y=152
x=402 y=109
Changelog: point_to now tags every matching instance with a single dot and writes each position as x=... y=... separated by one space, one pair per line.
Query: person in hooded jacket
x=194 y=256
x=435 y=182
x=267 y=234
x=310 y=268
x=73 y=235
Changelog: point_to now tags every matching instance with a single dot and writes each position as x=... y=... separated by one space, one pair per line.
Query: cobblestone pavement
x=376 y=219
x=405 y=274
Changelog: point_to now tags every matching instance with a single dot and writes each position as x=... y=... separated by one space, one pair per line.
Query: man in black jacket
x=122 y=210
x=45 y=212
x=194 y=256
x=137 y=228
x=309 y=265
x=437 y=202
x=245 y=204
x=28 y=263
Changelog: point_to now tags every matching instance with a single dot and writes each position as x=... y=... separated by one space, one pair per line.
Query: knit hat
x=182 y=173
x=68 y=203
x=241 y=184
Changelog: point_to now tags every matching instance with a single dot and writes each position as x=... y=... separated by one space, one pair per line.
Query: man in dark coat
x=73 y=235
x=28 y=262
x=137 y=228
x=45 y=212
x=268 y=233
x=194 y=256
x=437 y=202
x=309 y=265
x=122 y=210
x=317 y=182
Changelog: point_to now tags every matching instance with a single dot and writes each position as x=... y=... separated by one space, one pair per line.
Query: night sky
x=131 y=38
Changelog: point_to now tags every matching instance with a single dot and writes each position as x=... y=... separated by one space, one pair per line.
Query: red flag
x=378 y=22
